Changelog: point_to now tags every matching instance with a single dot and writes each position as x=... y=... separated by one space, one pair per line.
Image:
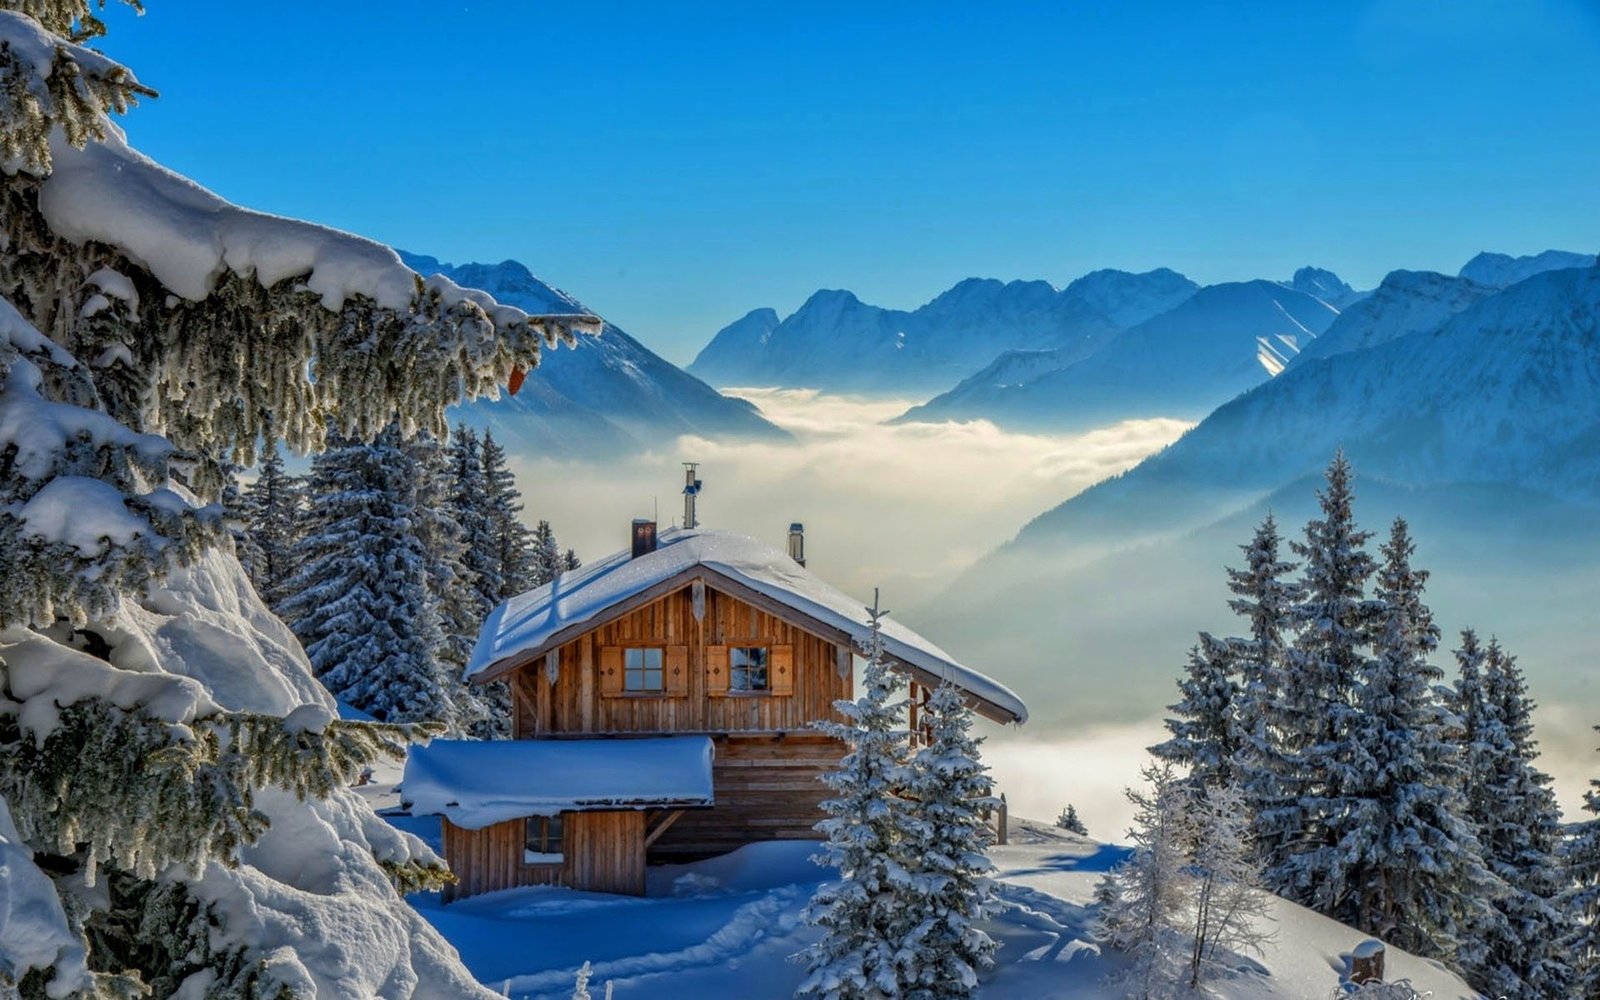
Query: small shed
x=578 y=813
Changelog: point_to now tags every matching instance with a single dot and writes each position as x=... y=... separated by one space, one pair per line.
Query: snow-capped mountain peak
x=1499 y=270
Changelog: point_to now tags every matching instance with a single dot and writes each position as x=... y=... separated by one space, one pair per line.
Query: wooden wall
x=490 y=859
x=767 y=788
x=577 y=703
x=602 y=852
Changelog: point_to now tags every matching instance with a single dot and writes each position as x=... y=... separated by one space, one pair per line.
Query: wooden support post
x=1366 y=962
x=1001 y=834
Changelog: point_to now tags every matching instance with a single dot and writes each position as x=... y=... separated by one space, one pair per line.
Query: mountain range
x=838 y=343
x=1476 y=414
x=1181 y=363
x=607 y=397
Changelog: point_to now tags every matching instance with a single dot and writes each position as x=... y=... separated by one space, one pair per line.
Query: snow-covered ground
x=727 y=927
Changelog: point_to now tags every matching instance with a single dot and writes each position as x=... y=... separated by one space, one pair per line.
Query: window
x=641 y=670
x=747 y=669
x=544 y=841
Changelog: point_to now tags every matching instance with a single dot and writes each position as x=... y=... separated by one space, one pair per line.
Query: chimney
x=644 y=537
x=797 y=542
x=691 y=489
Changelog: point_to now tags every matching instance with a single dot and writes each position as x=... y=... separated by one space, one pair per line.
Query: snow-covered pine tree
x=513 y=542
x=1144 y=902
x=468 y=501
x=570 y=561
x=156 y=806
x=1069 y=821
x=1580 y=902
x=273 y=508
x=1520 y=942
x=1205 y=736
x=1412 y=870
x=362 y=601
x=1230 y=903
x=866 y=916
x=1335 y=621
x=548 y=562
x=947 y=835
x=1266 y=599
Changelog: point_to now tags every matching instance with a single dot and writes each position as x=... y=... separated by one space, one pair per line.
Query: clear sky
x=676 y=166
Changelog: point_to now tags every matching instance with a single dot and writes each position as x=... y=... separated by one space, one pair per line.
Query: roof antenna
x=691 y=489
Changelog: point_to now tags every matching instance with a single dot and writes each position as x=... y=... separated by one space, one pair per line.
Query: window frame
x=551 y=833
x=644 y=670
x=735 y=670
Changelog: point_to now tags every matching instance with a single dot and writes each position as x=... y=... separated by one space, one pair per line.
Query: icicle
x=697 y=597
x=552 y=666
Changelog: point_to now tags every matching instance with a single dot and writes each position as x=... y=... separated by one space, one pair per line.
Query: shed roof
x=530 y=624
x=476 y=783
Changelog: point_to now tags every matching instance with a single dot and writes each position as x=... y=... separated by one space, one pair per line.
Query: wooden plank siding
x=575 y=704
x=602 y=852
x=490 y=859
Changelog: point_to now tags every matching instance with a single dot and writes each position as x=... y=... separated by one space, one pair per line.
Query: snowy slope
x=1178 y=364
x=1502 y=270
x=1406 y=302
x=728 y=927
x=837 y=342
x=610 y=395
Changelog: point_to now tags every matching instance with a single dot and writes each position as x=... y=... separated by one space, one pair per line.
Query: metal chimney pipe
x=644 y=537
x=797 y=542
x=691 y=489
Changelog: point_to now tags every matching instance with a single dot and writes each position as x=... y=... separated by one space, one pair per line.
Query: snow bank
x=475 y=784
x=33 y=927
x=529 y=621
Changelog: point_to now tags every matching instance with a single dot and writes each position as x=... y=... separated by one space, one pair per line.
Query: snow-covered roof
x=528 y=625
x=476 y=783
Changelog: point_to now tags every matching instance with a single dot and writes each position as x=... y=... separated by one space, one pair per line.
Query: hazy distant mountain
x=837 y=342
x=1325 y=285
x=1406 y=302
x=609 y=395
x=1500 y=270
x=1182 y=363
x=1484 y=431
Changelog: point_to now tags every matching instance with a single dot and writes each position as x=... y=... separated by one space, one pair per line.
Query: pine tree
x=1205 y=735
x=361 y=602
x=153 y=378
x=570 y=561
x=273 y=508
x=950 y=794
x=1144 y=901
x=514 y=558
x=547 y=559
x=866 y=916
x=1520 y=941
x=1335 y=622
x=1580 y=901
x=469 y=502
x=1069 y=821
x=1266 y=600
x=1411 y=867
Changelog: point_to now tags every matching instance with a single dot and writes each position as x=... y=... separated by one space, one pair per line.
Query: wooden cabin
x=700 y=633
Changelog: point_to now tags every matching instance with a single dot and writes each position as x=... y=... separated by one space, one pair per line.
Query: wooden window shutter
x=675 y=675
x=610 y=670
x=716 y=671
x=780 y=670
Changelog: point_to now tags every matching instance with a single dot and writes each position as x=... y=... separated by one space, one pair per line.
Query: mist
x=904 y=509
x=1094 y=646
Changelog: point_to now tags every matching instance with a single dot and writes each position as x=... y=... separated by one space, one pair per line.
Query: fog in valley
x=1093 y=642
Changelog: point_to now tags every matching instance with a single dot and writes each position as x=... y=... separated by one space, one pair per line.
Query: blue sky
x=675 y=168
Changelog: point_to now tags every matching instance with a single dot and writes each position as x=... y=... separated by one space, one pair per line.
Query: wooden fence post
x=1366 y=962
x=1001 y=833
